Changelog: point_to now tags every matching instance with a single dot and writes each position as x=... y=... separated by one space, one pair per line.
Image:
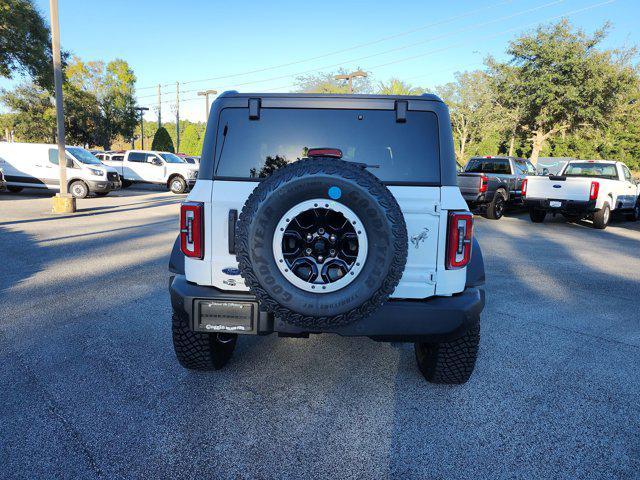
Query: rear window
x=488 y=165
x=588 y=169
x=253 y=149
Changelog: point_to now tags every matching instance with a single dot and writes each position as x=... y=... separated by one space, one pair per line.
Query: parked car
x=591 y=189
x=490 y=184
x=366 y=236
x=146 y=166
x=3 y=183
x=192 y=159
x=35 y=165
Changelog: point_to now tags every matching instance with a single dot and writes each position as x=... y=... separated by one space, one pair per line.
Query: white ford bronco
x=328 y=214
x=591 y=189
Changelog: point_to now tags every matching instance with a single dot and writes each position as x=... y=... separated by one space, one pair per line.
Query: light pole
x=206 y=94
x=62 y=202
x=350 y=76
x=141 y=111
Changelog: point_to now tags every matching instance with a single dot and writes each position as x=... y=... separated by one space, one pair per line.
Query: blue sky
x=424 y=42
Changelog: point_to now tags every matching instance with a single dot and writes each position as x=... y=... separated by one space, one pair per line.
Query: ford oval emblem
x=557 y=186
x=231 y=271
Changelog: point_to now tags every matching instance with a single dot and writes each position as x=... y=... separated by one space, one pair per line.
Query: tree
x=564 y=82
x=34 y=118
x=475 y=117
x=112 y=84
x=326 y=83
x=398 y=87
x=25 y=45
x=190 y=140
x=162 y=141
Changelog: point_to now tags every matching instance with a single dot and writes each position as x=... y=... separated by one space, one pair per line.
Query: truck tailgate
x=561 y=188
x=469 y=182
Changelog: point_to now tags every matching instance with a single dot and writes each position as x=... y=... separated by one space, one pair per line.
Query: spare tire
x=321 y=243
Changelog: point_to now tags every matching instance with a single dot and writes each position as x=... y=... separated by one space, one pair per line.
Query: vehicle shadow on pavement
x=92 y=211
x=553 y=394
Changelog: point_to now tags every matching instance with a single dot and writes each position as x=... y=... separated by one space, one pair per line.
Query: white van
x=35 y=165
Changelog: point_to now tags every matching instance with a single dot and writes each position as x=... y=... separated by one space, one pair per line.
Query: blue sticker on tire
x=335 y=193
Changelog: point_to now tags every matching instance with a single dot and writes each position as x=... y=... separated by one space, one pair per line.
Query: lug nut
x=321 y=231
x=332 y=252
x=308 y=251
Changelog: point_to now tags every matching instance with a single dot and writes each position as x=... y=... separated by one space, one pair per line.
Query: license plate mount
x=228 y=316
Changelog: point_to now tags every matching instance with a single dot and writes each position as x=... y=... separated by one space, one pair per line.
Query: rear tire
x=197 y=350
x=15 y=189
x=601 y=217
x=79 y=189
x=450 y=362
x=496 y=207
x=537 y=215
x=177 y=185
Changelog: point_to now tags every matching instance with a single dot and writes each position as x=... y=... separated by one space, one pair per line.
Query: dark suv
x=490 y=184
x=328 y=214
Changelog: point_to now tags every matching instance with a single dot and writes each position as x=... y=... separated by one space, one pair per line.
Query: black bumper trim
x=568 y=206
x=433 y=319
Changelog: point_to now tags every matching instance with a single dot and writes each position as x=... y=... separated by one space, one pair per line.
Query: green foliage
x=112 y=85
x=558 y=81
x=327 y=83
x=190 y=140
x=98 y=105
x=476 y=119
x=396 y=86
x=25 y=46
x=162 y=141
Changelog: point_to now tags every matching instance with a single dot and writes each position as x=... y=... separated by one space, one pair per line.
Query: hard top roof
x=234 y=94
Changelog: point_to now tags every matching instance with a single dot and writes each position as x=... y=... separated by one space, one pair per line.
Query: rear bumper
x=433 y=319
x=566 y=206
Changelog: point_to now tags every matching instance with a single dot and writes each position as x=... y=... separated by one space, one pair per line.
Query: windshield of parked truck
x=83 y=156
x=488 y=165
x=405 y=152
x=592 y=169
x=171 y=158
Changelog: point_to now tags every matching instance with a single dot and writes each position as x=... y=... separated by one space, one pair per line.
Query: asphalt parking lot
x=89 y=386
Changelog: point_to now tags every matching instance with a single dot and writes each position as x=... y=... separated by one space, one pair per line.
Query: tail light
x=191 y=229
x=484 y=183
x=524 y=188
x=593 y=192
x=459 y=240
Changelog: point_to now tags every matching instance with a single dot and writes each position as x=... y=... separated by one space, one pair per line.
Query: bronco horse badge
x=419 y=238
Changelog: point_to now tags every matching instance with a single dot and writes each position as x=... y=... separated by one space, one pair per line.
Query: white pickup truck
x=584 y=189
x=145 y=166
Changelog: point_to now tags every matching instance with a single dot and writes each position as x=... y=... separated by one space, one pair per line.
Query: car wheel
x=496 y=207
x=79 y=189
x=601 y=217
x=177 y=185
x=537 y=215
x=449 y=362
x=199 y=350
x=15 y=189
x=321 y=243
